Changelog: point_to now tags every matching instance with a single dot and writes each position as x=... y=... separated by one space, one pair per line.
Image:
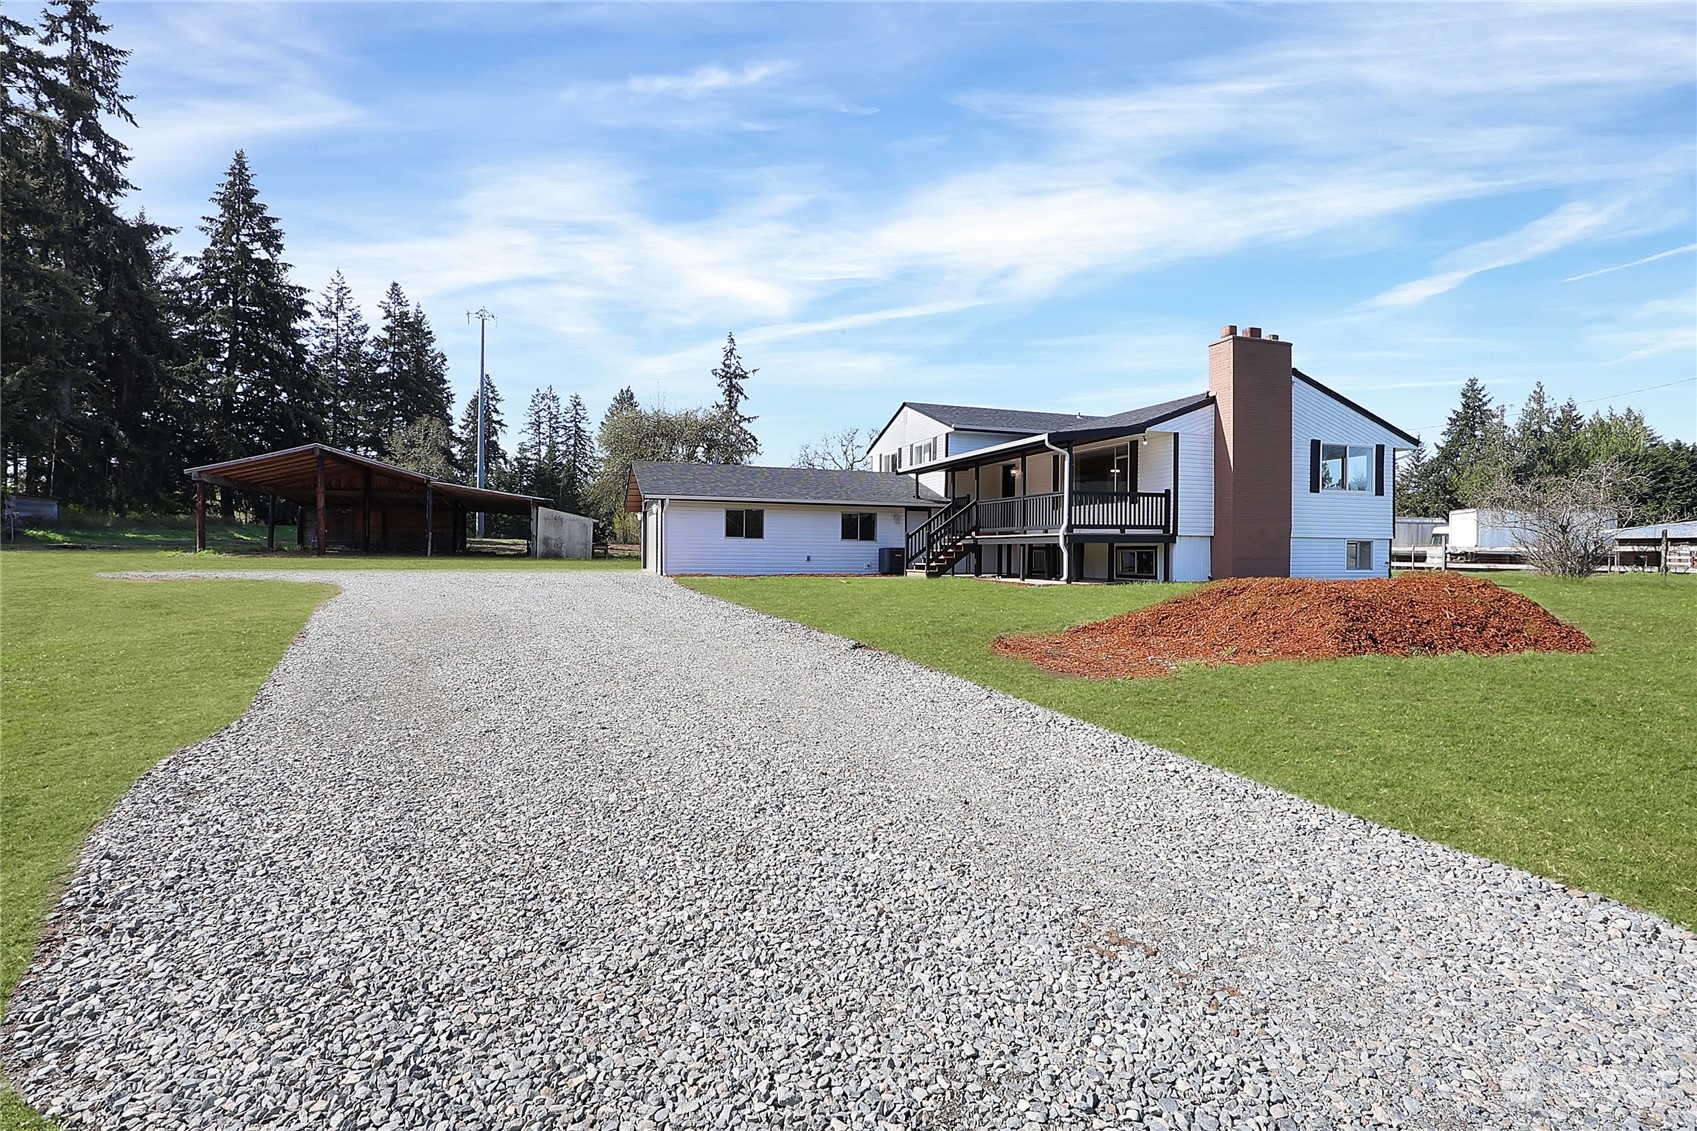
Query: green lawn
x=1581 y=768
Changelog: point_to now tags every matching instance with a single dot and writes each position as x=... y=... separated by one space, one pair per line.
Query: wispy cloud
x=710 y=79
x=1635 y=263
x=1564 y=227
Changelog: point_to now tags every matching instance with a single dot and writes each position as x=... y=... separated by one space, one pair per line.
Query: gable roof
x=292 y=473
x=1136 y=420
x=736 y=482
x=978 y=419
x=1349 y=404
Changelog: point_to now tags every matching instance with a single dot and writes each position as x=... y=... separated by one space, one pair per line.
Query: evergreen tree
x=341 y=355
x=732 y=440
x=538 y=465
x=578 y=465
x=1473 y=455
x=85 y=403
x=465 y=441
x=256 y=389
x=411 y=373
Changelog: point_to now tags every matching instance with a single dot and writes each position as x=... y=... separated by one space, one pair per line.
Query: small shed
x=1666 y=546
x=358 y=503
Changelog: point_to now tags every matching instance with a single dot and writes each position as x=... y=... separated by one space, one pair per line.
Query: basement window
x=745 y=524
x=1346 y=467
x=860 y=528
x=1358 y=555
x=1135 y=563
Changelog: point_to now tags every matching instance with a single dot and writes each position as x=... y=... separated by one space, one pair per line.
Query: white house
x=1268 y=473
x=735 y=519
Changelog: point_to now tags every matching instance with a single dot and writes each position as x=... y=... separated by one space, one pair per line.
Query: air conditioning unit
x=892 y=559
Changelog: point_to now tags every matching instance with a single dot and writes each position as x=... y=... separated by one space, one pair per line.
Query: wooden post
x=271 y=524
x=199 y=516
x=1665 y=549
x=319 y=524
x=365 y=539
x=429 y=520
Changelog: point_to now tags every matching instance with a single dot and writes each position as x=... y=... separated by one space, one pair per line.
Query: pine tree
x=341 y=356
x=465 y=441
x=85 y=400
x=411 y=373
x=537 y=467
x=578 y=465
x=733 y=442
x=1473 y=454
x=256 y=390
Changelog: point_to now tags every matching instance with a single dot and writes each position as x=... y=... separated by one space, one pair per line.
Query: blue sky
x=1050 y=207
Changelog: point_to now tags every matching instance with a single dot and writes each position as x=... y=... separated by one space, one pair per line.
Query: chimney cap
x=1253 y=331
x=1228 y=331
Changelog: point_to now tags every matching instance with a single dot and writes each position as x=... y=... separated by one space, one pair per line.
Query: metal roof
x=293 y=474
x=1676 y=531
x=735 y=482
x=978 y=419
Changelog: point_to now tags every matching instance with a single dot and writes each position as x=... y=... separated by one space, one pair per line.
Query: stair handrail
x=921 y=541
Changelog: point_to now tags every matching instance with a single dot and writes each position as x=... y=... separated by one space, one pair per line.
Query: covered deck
x=1032 y=507
x=357 y=503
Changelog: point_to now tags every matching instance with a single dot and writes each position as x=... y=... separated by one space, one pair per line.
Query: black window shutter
x=1378 y=469
x=1313 y=467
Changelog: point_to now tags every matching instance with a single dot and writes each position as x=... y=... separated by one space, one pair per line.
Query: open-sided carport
x=358 y=503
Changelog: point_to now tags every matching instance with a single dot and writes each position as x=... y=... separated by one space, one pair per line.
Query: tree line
x=126 y=363
x=1484 y=459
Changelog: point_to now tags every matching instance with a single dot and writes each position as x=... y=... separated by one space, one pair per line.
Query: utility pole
x=483 y=319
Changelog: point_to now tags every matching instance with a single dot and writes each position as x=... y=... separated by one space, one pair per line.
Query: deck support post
x=429 y=519
x=320 y=524
x=271 y=523
x=199 y=516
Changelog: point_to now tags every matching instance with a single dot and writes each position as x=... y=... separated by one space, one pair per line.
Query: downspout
x=1066 y=507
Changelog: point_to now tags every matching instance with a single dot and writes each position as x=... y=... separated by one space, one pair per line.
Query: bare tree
x=1567 y=519
x=846 y=451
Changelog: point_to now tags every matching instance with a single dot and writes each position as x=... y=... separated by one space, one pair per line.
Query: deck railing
x=1123 y=510
x=1019 y=514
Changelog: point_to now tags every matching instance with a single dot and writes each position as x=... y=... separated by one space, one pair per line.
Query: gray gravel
x=506 y=850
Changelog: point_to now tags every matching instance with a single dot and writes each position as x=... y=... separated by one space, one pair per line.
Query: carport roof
x=722 y=482
x=293 y=474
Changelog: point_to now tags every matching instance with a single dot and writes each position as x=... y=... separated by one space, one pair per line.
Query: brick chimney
x=1250 y=377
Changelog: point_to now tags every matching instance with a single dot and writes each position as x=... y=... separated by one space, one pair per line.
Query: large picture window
x=860 y=527
x=1346 y=467
x=745 y=524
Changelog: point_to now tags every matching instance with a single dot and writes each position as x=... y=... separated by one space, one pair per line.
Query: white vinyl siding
x=1195 y=476
x=1322 y=522
x=909 y=427
x=798 y=539
x=1327 y=559
x=1193 y=557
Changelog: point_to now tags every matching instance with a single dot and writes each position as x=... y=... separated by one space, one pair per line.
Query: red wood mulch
x=1254 y=620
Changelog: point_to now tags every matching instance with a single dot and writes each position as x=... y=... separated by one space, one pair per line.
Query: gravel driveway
x=505 y=850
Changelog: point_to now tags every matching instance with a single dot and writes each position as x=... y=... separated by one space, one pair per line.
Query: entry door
x=1009 y=481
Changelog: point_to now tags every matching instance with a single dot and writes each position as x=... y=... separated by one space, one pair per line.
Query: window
x=1106 y=469
x=745 y=524
x=1346 y=467
x=920 y=453
x=1135 y=562
x=860 y=528
x=1358 y=555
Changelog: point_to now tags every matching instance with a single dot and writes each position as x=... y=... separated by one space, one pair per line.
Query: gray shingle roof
x=743 y=483
x=972 y=417
x=1135 y=418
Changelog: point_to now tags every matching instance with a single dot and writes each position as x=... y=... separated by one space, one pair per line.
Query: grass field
x=1580 y=768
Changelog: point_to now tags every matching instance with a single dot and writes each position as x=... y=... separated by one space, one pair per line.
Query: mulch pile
x=1254 y=620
